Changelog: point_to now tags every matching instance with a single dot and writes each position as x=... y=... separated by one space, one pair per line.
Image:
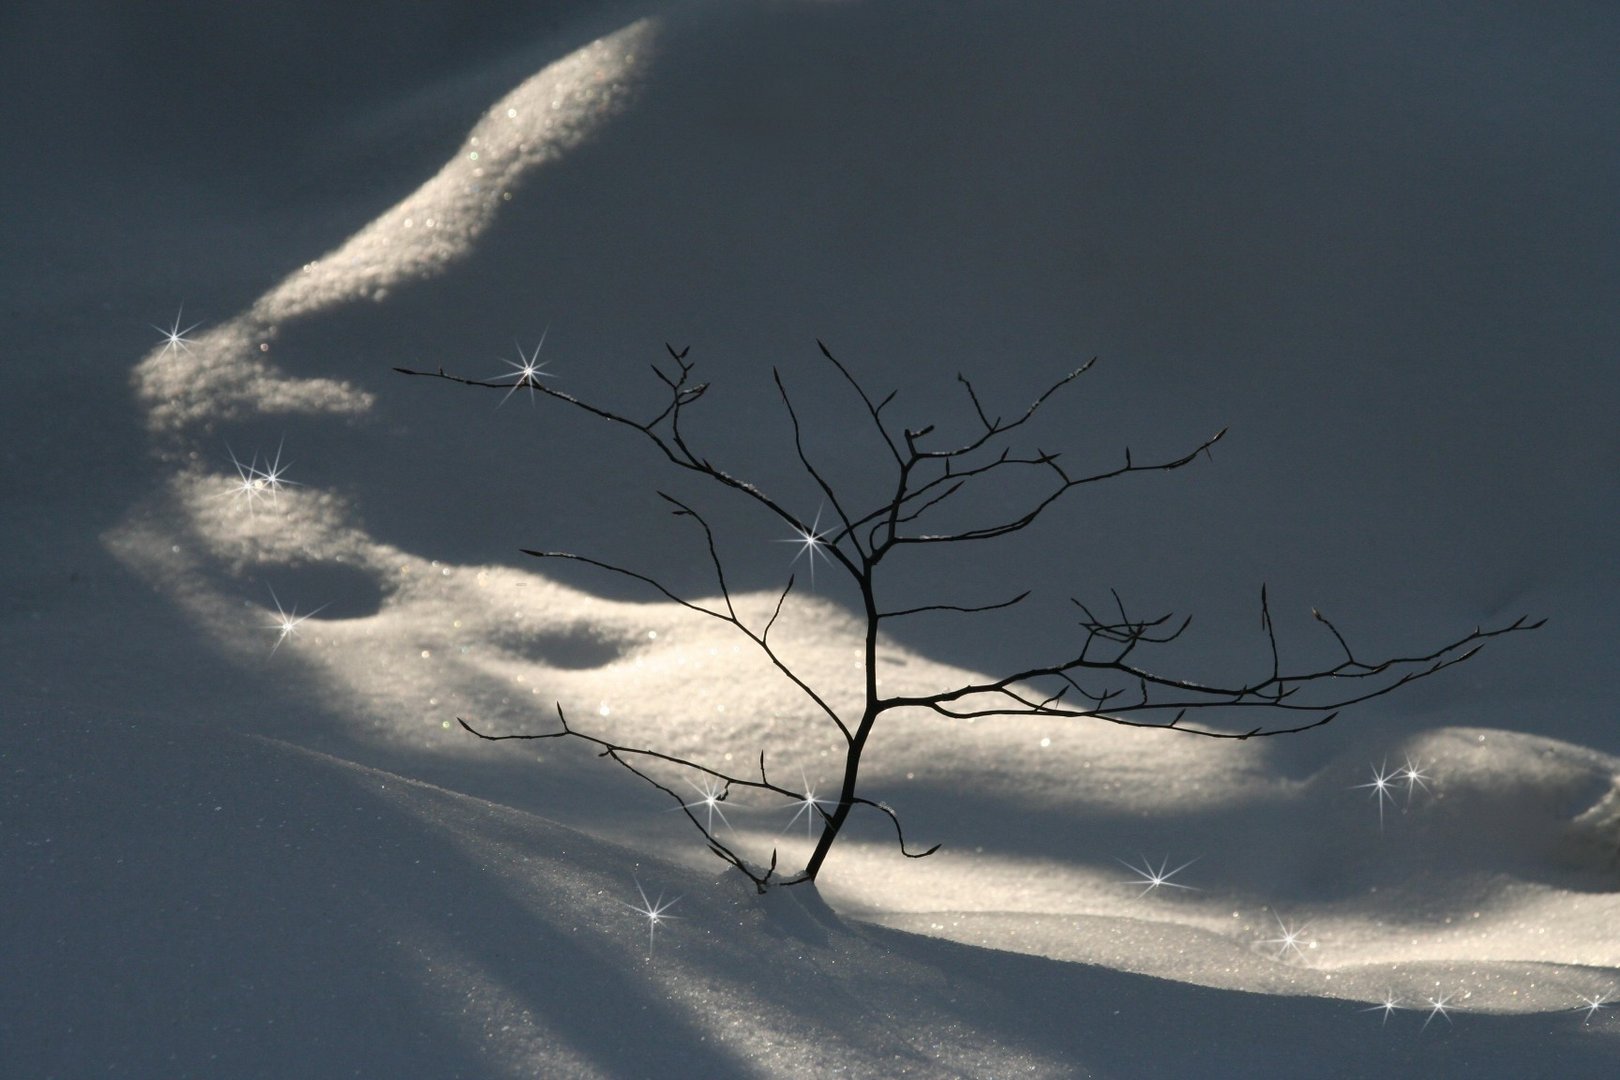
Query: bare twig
x=621 y=754
x=1102 y=678
x=1275 y=692
x=954 y=607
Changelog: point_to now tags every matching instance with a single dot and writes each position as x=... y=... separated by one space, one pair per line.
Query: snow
x=241 y=833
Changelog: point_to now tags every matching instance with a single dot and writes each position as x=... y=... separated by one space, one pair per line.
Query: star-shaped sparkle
x=1382 y=781
x=527 y=369
x=1387 y=1006
x=271 y=474
x=249 y=484
x=653 y=913
x=1439 y=1006
x=286 y=623
x=713 y=793
x=806 y=806
x=1290 y=938
x=1592 y=1005
x=1413 y=776
x=254 y=483
x=175 y=338
x=1151 y=879
x=810 y=540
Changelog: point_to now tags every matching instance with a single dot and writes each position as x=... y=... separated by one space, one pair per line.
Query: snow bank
x=241 y=833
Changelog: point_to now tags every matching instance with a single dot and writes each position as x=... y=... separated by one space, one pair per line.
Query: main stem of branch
x=863 y=731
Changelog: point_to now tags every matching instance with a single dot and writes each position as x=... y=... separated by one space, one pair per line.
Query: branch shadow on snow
x=252 y=908
x=255 y=910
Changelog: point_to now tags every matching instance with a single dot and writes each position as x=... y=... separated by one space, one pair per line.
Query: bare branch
x=1271 y=636
x=728 y=616
x=874 y=411
x=1103 y=679
x=673 y=448
x=1348 y=655
x=1275 y=692
x=900 y=833
x=629 y=574
x=954 y=607
x=989 y=425
x=620 y=754
x=992 y=430
x=682 y=510
x=1065 y=485
x=766 y=633
x=821 y=482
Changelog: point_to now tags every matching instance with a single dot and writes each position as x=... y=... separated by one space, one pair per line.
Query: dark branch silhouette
x=623 y=755
x=1100 y=677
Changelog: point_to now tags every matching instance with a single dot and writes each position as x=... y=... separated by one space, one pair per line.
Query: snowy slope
x=240 y=907
x=1378 y=243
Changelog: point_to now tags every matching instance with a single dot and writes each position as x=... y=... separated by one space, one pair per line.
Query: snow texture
x=253 y=575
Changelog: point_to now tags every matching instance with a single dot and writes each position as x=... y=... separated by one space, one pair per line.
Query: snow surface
x=1378 y=241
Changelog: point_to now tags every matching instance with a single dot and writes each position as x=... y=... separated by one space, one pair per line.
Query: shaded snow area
x=254 y=576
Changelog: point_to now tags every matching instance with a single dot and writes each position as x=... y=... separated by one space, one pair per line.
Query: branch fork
x=1100 y=678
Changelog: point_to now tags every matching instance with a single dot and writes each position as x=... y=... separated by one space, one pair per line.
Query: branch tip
x=924 y=480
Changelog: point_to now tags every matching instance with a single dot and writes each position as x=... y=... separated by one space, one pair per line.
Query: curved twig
x=924 y=480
